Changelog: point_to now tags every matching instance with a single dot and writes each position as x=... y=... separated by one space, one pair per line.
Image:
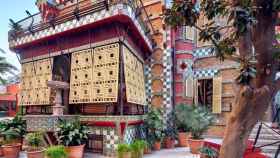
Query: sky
x=13 y=9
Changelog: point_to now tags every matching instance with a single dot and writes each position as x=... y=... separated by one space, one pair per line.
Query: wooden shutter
x=189 y=87
x=217 y=95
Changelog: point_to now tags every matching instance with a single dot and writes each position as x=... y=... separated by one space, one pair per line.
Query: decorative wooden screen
x=217 y=95
x=94 y=75
x=34 y=89
x=106 y=73
x=134 y=78
x=81 y=77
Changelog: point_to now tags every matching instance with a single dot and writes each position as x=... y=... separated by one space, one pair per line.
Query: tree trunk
x=250 y=106
x=252 y=101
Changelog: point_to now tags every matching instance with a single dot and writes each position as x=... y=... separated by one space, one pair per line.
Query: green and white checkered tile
x=205 y=73
x=203 y=52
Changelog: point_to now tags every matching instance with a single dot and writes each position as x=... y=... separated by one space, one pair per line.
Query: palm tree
x=6 y=68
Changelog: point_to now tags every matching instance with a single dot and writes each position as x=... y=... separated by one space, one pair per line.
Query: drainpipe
x=173 y=40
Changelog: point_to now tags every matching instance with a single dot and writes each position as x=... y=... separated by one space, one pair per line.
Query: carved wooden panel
x=81 y=77
x=34 y=90
x=106 y=73
x=134 y=78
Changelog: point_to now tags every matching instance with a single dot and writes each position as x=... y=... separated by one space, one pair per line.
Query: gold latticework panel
x=33 y=87
x=106 y=73
x=81 y=77
x=134 y=78
x=94 y=75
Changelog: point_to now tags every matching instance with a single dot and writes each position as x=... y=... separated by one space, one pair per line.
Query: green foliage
x=247 y=71
x=171 y=132
x=137 y=148
x=211 y=153
x=11 y=135
x=154 y=125
x=213 y=9
x=56 y=152
x=6 y=68
x=182 y=112
x=122 y=149
x=34 y=140
x=180 y=15
x=72 y=133
x=200 y=120
x=13 y=129
x=239 y=19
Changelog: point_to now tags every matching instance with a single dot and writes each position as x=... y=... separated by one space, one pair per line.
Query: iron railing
x=34 y=22
x=262 y=124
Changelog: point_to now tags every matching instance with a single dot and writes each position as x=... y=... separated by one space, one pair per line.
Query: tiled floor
x=164 y=153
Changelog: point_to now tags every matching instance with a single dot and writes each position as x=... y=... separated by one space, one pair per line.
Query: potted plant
x=124 y=151
x=154 y=125
x=16 y=123
x=1 y=150
x=182 y=113
x=137 y=148
x=148 y=147
x=206 y=152
x=201 y=119
x=11 y=147
x=35 y=143
x=170 y=137
x=56 y=152
x=73 y=136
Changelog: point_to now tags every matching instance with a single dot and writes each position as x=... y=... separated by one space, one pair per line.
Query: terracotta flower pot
x=195 y=145
x=75 y=151
x=157 y=145
x=35 y=154
x=1 y=151
x=11 y=151
x=169 y=142
x=147 y=150
x=183 y=138
x=125 y=155
x=203 y=156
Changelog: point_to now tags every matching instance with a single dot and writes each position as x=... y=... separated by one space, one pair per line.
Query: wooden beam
x=121 y=78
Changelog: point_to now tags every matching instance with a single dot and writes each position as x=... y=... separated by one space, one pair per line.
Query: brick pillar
x=159 y=69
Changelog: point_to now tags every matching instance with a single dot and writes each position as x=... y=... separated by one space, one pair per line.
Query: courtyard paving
x=164 y=153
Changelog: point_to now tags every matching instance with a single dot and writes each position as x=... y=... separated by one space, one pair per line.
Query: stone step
x=261 y=142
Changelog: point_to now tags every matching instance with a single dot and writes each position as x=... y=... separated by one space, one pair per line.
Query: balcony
x=79 y=14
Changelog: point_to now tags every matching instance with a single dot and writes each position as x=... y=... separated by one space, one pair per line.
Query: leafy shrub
x=56 y=152
x=16 y=123
x=154 y=125
x=34 y=140
x=122 y=149
x=11 y=135
x=182 y=113
x=209 y=152
x=137 y=148
x=72 y=133
x=201 y=119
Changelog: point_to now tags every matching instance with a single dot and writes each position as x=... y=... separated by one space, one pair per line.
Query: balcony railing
x=34 y=23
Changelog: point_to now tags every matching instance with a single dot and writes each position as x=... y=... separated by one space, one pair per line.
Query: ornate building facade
x=106 y=62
